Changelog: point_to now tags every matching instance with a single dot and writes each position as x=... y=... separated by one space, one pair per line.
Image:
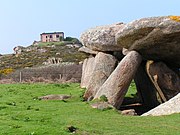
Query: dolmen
x=145 y=50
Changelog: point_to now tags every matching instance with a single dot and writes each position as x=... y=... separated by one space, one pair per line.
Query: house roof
x=52 y=33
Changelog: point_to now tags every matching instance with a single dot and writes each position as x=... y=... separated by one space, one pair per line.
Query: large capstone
x=102 y=38
x=155 y=38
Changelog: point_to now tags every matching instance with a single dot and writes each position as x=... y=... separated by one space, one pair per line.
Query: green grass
x=21 y=113
x=54 y=43
x=50 y=43
x=132 y=90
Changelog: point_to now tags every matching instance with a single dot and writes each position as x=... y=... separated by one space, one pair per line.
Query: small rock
x=87 y=50
x=71 y=129
x=130 y=112
x=125 y=51
x=55 y=97
x=101 y=106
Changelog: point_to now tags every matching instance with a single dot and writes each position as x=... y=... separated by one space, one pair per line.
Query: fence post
x=20 y=76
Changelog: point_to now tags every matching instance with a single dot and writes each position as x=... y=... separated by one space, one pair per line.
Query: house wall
x=51 y=37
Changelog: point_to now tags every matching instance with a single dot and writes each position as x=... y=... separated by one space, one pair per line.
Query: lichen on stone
x=175 y=18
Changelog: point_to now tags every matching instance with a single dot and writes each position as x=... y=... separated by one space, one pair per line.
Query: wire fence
x=59 y=73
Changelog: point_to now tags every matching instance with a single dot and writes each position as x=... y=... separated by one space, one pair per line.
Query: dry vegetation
x=47 y=74
x=37 y=55
x=25 y=67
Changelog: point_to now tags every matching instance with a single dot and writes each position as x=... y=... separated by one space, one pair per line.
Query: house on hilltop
x=52 y=37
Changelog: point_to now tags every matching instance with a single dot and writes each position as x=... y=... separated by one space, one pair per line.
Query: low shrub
x=47 y=74
x=103 y=98
x=6 y=71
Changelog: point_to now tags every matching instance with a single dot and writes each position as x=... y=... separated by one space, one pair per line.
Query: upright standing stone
x=118 y=82
x=145 y=87
x=164 y=79
x=87 y=69
x=104 y=64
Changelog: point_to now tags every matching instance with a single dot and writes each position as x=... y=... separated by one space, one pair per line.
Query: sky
x=22 y=21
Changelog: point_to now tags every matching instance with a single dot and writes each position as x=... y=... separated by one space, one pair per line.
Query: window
x=50 y=36
x=57 y=36
x=46 y=36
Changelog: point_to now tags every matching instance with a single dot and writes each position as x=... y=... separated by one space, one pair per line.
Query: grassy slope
x=22 y=114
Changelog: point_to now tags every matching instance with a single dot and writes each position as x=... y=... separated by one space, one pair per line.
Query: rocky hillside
x=42 y=54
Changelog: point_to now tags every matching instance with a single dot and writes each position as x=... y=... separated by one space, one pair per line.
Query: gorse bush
x=6 y=71
x=175 y=18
